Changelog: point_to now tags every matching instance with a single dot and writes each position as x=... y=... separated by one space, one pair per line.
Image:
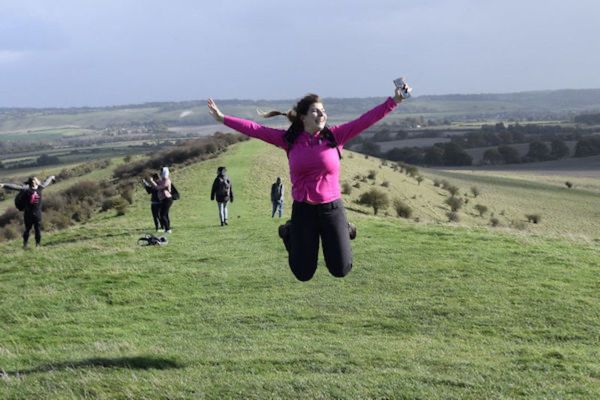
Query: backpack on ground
x=151 y=240
x=22 y=199
x=223 y=187
x=174 y=192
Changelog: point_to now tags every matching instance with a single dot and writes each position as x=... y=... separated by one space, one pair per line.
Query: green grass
x=431 y=312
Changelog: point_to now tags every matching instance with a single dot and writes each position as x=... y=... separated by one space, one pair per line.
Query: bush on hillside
x=475 y=191
x=494 y=222
x=455 y=203
x=481 y=209
x=452 y=216
x=403 y=210
x=346 y=188
x=535 y=218
x=374 y=198
x=569 y=184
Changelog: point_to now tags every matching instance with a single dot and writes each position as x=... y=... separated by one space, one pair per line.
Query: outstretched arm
x=12 y=186
x=247 y=127
x=344 y=132
x=48 y=181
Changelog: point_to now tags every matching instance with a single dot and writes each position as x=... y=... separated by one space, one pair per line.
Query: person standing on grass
x=154 y=201
x=277 y=197
x=30 y=200
x=314 y=153
x=163 y=188
x=222 y=191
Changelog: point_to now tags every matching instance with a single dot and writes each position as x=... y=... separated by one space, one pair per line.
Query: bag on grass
x=151 y=240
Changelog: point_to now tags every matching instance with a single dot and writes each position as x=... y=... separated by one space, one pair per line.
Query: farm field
x=431 y=310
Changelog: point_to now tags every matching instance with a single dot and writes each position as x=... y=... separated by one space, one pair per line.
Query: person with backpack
x=222 y=191
x=29 y=200
x=154 y=202
x=164 y=187
x=277 y=197
x=314 y=153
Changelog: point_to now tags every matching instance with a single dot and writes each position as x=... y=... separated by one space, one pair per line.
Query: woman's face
x=315 y=118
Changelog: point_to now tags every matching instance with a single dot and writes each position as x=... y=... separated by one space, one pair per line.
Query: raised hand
x=398 y=97
x=214 y=111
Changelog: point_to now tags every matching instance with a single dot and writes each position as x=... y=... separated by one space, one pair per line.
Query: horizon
x=294 y=99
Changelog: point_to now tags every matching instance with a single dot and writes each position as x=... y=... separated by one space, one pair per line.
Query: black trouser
x=155 y=208
x=32 y=220
x=308 y=223
x=165 y=204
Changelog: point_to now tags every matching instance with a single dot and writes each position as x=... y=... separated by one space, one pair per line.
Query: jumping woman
x=314 y=152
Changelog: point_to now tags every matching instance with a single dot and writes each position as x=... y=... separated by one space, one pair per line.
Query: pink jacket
x=314 y=166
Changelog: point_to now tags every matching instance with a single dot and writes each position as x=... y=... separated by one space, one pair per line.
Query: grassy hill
x=429 y=311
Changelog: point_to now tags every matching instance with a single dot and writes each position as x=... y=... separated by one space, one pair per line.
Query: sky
x=74 y=53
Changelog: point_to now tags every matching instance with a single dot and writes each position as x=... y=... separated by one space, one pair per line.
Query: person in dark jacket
x=277 y=197
x=32 y=211
x=222 y=191
x=163 y=190
x=154 y=201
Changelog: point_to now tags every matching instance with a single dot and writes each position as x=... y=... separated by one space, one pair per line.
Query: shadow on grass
x=140 y=362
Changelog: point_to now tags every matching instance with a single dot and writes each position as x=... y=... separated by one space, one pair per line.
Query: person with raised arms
x=314 y=153
x=29 y=200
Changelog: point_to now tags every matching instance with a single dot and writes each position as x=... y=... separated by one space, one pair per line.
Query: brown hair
x=294 y=116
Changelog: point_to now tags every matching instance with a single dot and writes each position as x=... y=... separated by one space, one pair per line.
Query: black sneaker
x=284 y=233
x=352 y=230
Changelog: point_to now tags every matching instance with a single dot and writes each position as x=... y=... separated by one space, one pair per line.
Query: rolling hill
x=431 y=310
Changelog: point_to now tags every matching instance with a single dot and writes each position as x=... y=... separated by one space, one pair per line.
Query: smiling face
x=315 y=118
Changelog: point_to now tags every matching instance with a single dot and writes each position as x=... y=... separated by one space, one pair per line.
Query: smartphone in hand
x=404 y=89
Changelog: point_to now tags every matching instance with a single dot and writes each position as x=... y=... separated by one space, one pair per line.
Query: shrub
x=437 y=183
x=9 y=216
x=9 y=233
x=419 y=179
x=346 y=188
x=481 y=209
x=356 y=185
x=120 y=205
x=372 y=174
x=455 y=203
x=569 y=184
x=535 y=218
x=453 y=190
x=403 y=210
x=494 y=221
x=452 y=216
x=475 y=191
x=107 y=204
x=385 y=184
x=374 y=198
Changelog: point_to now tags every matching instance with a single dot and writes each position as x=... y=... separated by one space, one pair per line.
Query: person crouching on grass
x=31 y=198
x=314 y=153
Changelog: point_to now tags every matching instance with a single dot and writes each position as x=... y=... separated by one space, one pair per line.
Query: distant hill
x=558 y=104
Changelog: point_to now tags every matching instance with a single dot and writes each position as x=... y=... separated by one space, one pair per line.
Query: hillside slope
x=430 y=312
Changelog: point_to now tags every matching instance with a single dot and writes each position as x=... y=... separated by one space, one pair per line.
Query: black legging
x=155 y=208
x=308 y=223
x=32 y=220
x=164 y=213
